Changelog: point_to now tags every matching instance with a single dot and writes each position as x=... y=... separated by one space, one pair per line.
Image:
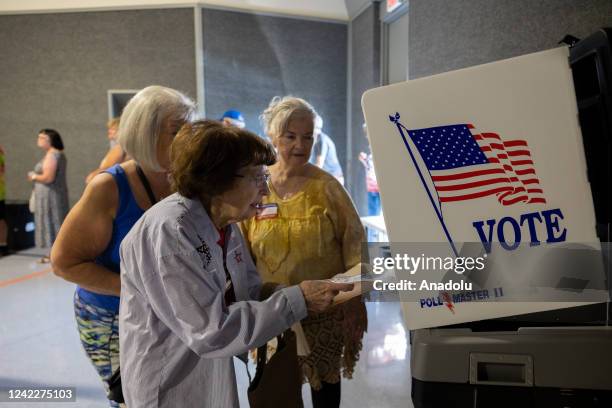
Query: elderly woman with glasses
x=87 y=248
x=189 y=288
x=309 y=229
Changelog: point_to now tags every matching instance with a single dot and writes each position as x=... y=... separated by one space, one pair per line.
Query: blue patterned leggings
x=99 y=333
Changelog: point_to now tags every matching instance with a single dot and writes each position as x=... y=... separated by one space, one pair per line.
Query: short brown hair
x=206 y=157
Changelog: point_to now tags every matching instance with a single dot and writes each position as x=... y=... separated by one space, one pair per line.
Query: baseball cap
x=233 y=114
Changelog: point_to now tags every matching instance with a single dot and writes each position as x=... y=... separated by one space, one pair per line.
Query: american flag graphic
x=466 y=164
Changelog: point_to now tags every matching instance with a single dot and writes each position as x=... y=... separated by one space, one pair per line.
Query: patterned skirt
x=334 y=339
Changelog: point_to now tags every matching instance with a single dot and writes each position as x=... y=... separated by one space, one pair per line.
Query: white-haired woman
x=309 y=229
x=86 y=251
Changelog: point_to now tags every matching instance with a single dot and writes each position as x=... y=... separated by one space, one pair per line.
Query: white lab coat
x=177 y=337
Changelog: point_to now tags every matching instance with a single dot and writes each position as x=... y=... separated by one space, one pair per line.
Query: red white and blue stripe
x=465 y=164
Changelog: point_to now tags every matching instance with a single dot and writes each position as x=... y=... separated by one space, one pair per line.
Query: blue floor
x=39 y=345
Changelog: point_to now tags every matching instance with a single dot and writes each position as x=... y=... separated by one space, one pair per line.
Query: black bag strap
x=262 y=354
x=146 y=184
x=115 y=392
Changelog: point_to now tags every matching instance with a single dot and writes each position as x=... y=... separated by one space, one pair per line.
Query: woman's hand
x=49 y=170
x=320 y=294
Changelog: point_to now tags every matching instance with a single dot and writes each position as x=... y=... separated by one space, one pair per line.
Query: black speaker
x=20 y=223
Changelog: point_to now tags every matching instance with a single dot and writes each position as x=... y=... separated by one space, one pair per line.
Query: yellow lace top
x=316 y=235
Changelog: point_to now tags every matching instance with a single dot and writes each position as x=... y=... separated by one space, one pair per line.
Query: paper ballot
x=354 y=276
x=346 y=279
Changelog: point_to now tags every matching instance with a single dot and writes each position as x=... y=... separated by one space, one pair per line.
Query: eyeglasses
x=260 y=180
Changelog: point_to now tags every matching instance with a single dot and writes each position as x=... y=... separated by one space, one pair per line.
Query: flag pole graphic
x=400 y=127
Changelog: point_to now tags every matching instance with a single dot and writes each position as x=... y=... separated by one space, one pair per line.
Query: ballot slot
x=495 y=372
x=501 y=369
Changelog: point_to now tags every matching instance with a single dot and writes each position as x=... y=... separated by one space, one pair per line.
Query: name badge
x=267 y=211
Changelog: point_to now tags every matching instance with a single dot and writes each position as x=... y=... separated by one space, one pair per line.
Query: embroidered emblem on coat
x=204 y=249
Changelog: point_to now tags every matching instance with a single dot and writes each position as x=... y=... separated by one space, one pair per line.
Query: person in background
x=50 y=190
x=115 y=155
x=87 y=249
x=308 y=228
x=233 y=117
x=112 y=131
x=371 y=183
x=189 y=288
x=323 y=153
x=3 y=226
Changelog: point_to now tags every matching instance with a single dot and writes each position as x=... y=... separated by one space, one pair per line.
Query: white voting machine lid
x=490 y=155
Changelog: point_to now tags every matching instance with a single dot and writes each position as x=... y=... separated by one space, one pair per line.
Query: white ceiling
x=326 y=9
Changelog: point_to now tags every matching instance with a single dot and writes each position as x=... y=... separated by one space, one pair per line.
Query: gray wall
x=445 y=35
x=365 y=74
x=55 y=70
x=250 y=58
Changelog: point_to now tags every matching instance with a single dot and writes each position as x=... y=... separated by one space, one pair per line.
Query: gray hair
x=143 y=119
x=275 y=118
